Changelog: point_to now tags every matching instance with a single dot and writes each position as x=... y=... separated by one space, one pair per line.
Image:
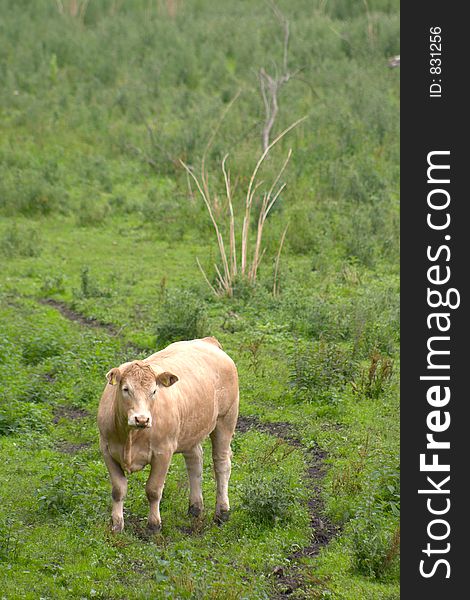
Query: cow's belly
x=195 y=429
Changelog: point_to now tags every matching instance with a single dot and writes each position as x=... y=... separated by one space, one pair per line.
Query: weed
x=41 y=346
x=349 y=479
x=7 y=424
x=28 y=192
x=20 y=241
x=89 y=288
x=384 y=486
x=182 y=316
x=319 y=371
x=374 y=545
x=92 y=213
x=67 y=487
x=9 y=541
x=253 y=348
x=373 y=380
x=53 y=284
x=375 y=531
x=232 y=322
x=266 y=500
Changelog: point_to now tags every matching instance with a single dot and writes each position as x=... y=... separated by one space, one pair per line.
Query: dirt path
x=322 y=530
x=85 y=321
x=76 y=317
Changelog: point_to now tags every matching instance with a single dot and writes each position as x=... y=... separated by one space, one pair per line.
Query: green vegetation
x=97 y=215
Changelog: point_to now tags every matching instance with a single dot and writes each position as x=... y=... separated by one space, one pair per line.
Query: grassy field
x=100 y=229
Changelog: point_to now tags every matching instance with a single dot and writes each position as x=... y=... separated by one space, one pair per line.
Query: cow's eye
x=154 y=392
x=125 y=389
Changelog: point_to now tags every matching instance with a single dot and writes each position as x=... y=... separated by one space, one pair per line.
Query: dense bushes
x=266 y=499
x=182 y=316
x=367 y=316
x=375 y=539
x=320 y=372
x=20 y=241
x=107 y=80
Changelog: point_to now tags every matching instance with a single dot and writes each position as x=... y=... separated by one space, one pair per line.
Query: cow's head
x=138 y=385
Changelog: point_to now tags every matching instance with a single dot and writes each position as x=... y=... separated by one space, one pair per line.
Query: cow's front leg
x=154 y=487
x=193 y=460
x=119 y=490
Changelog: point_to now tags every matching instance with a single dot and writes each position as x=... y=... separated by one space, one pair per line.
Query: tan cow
x=164 y=404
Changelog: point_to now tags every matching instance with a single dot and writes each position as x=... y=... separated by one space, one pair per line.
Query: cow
x=166 y=404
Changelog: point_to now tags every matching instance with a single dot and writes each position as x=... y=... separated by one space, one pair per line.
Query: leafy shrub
x=320 y=370
x=53 y=284
x=92 y=213
x=20 y=241
x=61 y=493
x=375 y=544
x=266 y=499
x=384 y=486
x=16 y=416
x=375 y=531
x=167 y=212
x=182 y=316
x=68 y=486
x=307 y=238
x=319 y=319
x=29 y=193
x=41 y=346
x=369 y=317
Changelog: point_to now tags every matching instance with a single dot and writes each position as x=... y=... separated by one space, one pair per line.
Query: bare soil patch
x=70 y=448
x=76 y=317
x=68 y=412
x=322 y=529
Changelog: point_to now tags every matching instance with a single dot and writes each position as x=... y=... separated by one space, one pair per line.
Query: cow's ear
x=166 y=378
x=113 y=376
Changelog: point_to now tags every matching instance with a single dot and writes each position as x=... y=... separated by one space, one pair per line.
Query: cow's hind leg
x=221 y=456
x=193 y=460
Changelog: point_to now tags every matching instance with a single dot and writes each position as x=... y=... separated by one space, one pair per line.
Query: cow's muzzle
x=140 y=421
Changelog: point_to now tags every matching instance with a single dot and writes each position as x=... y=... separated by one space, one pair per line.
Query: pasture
x=100 y=231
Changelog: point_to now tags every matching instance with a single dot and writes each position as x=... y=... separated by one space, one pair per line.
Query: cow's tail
x=212 y=340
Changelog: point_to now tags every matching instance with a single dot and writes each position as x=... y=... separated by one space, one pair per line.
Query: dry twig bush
x=245 y=265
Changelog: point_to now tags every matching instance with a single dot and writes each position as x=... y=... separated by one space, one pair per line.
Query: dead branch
x=74 y=8
x=270 y=85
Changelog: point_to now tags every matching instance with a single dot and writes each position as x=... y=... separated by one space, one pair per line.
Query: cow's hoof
x=222 y=517
x=117 y=527
x=194 y=510
x=154 y=527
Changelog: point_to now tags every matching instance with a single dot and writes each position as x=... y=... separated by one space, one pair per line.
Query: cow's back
x=207 y=387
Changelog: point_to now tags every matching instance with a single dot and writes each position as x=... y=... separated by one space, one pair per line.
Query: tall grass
x=143 y=84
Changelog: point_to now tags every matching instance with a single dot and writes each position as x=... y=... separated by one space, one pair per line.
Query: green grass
x=97 y=215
